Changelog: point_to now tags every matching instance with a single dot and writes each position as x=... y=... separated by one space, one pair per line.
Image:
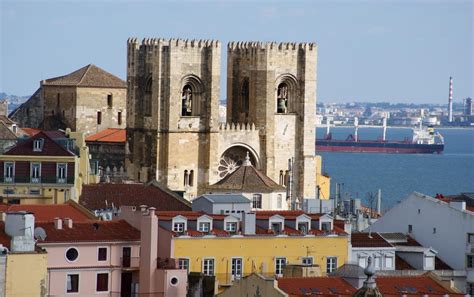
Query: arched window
x=186 y=178
x=245 y=97
x=147 y=97
x=191 y=178
x=282 y=178
x=282 y=98
x=187 y=101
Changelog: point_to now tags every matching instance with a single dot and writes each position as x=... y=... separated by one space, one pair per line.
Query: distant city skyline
x=371 y=51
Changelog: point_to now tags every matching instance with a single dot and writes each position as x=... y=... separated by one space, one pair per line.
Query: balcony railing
x=130 y=262
x=26 y=179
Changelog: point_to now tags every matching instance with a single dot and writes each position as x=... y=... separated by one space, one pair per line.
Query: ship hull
x=388 y=147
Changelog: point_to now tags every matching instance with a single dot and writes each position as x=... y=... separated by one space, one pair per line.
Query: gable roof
x=412 y=286
x=50 y=147
x=47 y=213
x=6 y=133
x=247 y=178
x=101 y=196
x=109 y=135
x=287 y=214
x=6 y=120
x=98 y=231
x=311 y=286
x=87 y=76
x=225 y=198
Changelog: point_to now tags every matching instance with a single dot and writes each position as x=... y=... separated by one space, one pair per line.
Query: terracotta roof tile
x=50 y=147
x=87 y=76
x=47 y=213
x=108 y=135
x=312 y=286
x=287 y=214
x=31 y=131
x=363 y=240
x=96 y=196
x=190 y=215
x=247 y=179
x=411 y=286
x=99 y=231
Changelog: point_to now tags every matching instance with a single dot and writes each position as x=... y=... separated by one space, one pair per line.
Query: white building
x=447 y=225
x=365 y=245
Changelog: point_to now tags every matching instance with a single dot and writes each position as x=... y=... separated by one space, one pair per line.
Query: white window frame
x=9 y=178
x=305 y=262
x=233 y=229
x=59 y=179
x=430 y=262
x=108 y=282
x=392 y=262
x=256 y=202
x=38 y=144
x=205 y=267
x=331 y=264
x=35 y=175
x=279 y=201
x=362 y=261
x=182 y=261
x=279 y=265
x=235 y=276
x=65 y=254
x=78 y=283
x=378 y=263
x=179 y=227
x=106 y=253
x=204 y=227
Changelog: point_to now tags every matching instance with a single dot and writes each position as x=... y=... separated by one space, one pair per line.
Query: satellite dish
x=39 y=233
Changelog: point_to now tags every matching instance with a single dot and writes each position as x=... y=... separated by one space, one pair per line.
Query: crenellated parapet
x=270 y=46
x=174 y=42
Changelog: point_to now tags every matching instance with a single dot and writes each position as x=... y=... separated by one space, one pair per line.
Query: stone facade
x=87 y=100
x=173 y=129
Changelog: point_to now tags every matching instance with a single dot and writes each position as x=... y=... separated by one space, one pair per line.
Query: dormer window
x=231 y=227
x=38 y=145
x=178 y=227
x=204 y=227
x=276 y=224
x=303 y=227
x=276 y=228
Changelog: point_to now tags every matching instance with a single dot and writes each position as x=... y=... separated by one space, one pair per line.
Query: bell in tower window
x=187 y=101
x=282 y=98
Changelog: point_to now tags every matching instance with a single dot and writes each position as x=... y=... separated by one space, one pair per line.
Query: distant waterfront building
x=468 y=107
x=446 y=224
x=173 y=129
x=88 y=100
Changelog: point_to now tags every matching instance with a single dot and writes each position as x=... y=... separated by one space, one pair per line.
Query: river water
x=400 y=174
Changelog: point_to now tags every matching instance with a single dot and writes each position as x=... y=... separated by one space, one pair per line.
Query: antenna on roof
x=39 y=234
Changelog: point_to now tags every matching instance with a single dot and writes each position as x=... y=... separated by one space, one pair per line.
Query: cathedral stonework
x=173 y=129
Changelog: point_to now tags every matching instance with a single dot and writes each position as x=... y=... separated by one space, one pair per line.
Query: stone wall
x=30 y=113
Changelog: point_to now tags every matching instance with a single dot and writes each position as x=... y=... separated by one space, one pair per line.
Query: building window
x=389 y=262
x=470 y=261
x=119 y=118
x=147 y=98
x=277 y=227
x=72 y=285
x=99 y=117
x=307 y=261
x=434 y=230
x=35 y=172
x=204 y=227
x=102 y=254
x=410 y=228
x=257 y=201
x=282 y=178
x=186 y=178
x=331 y=264
x=109 y=101
x=38 y=145
x=183 y=264
x=430 y=263
x=9 y=172
x=279 y=201
x=187 y=101
x=61 y=173
x=470 y=289
x=178 y=227
x=236 y=268
x=363 y=262
x=470 y=237
x=282 y=98
x=102 y=282
x=191 y=178
x=279 y=264
x=231 y=227
x=57 y=99
x=303 y=227
x=72 y=254
x=377 y=263
x=208 y=267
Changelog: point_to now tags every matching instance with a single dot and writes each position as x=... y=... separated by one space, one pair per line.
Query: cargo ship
x=424 y=141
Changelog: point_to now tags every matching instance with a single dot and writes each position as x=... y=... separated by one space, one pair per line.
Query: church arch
x=286 y=94
x=191 y=96
x=234 y=156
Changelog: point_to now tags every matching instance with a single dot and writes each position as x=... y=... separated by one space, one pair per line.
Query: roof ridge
x=85 y=73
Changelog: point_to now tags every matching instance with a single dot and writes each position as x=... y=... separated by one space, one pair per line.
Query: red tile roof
x=363 y=240
x=96 y=196
x=47 y=213
x=412 y=286
x=31 y=131
x=287 y=214
x=100 y=231
x=109 y=135
x=312 y=286
x=190 y=215
x=50 y=147
x=87 y=76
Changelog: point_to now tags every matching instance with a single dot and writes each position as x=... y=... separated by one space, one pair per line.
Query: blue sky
x=396 y=51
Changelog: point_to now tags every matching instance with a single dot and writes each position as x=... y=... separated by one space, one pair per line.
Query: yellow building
x=263 y=242
x=48 y=168
x=323 y=181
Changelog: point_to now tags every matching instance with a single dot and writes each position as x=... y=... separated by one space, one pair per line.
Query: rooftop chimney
x=58 y=223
